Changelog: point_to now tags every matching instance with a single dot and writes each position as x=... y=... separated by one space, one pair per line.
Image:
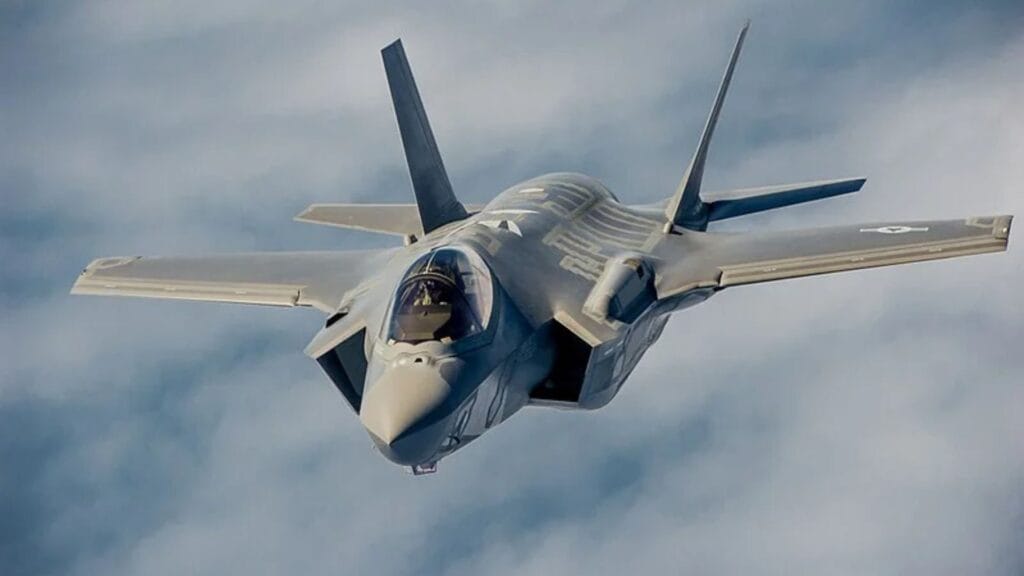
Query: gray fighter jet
x=548 y=295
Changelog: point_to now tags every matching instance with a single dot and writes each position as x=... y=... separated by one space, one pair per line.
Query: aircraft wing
x=722 y=260
x=317 y=279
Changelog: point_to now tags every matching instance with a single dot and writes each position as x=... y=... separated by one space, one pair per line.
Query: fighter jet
x=548 y=295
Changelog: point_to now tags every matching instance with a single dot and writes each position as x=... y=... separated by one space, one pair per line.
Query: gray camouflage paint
x=564 y=253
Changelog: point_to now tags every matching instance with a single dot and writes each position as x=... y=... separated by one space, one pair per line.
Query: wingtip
x=78 y=287
x=304 y=215
x=1002 y=226
x=83 y=283
x=109 y=262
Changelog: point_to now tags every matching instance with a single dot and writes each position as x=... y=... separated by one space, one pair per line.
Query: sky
x=859 y=423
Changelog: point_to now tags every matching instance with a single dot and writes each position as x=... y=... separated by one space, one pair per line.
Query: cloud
x=847 y=424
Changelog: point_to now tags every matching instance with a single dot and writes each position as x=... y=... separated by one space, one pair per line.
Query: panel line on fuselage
x=619 y=212
x=592 y=222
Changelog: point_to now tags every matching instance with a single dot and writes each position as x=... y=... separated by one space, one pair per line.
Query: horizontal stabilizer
x=400 y=219
x=722 y=205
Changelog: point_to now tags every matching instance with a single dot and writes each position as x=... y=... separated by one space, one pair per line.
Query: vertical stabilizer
x=685 y=208
x=435 y=200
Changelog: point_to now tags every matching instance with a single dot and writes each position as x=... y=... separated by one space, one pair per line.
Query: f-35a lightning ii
x=548 y=295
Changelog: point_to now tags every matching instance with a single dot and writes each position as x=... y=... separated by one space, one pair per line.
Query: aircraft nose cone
x=402 y=398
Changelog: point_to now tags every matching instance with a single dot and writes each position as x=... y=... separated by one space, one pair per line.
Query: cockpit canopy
x=445 y=295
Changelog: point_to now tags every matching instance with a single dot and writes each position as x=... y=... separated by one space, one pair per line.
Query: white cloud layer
x=852 y=424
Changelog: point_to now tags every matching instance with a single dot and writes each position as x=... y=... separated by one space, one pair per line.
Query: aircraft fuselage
x=546 y=243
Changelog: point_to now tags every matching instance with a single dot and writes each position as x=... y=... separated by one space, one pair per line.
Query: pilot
x=433 y=304
x=423 y=298
x=431 y=293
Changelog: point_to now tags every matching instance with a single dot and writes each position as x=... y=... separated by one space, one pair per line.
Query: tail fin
x=685 y=207
x=435 y=200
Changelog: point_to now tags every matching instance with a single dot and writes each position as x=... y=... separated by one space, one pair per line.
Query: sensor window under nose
x=444 y=296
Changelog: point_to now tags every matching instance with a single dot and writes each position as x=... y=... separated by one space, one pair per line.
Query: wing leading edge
x=723 y=260
x=317 y=279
